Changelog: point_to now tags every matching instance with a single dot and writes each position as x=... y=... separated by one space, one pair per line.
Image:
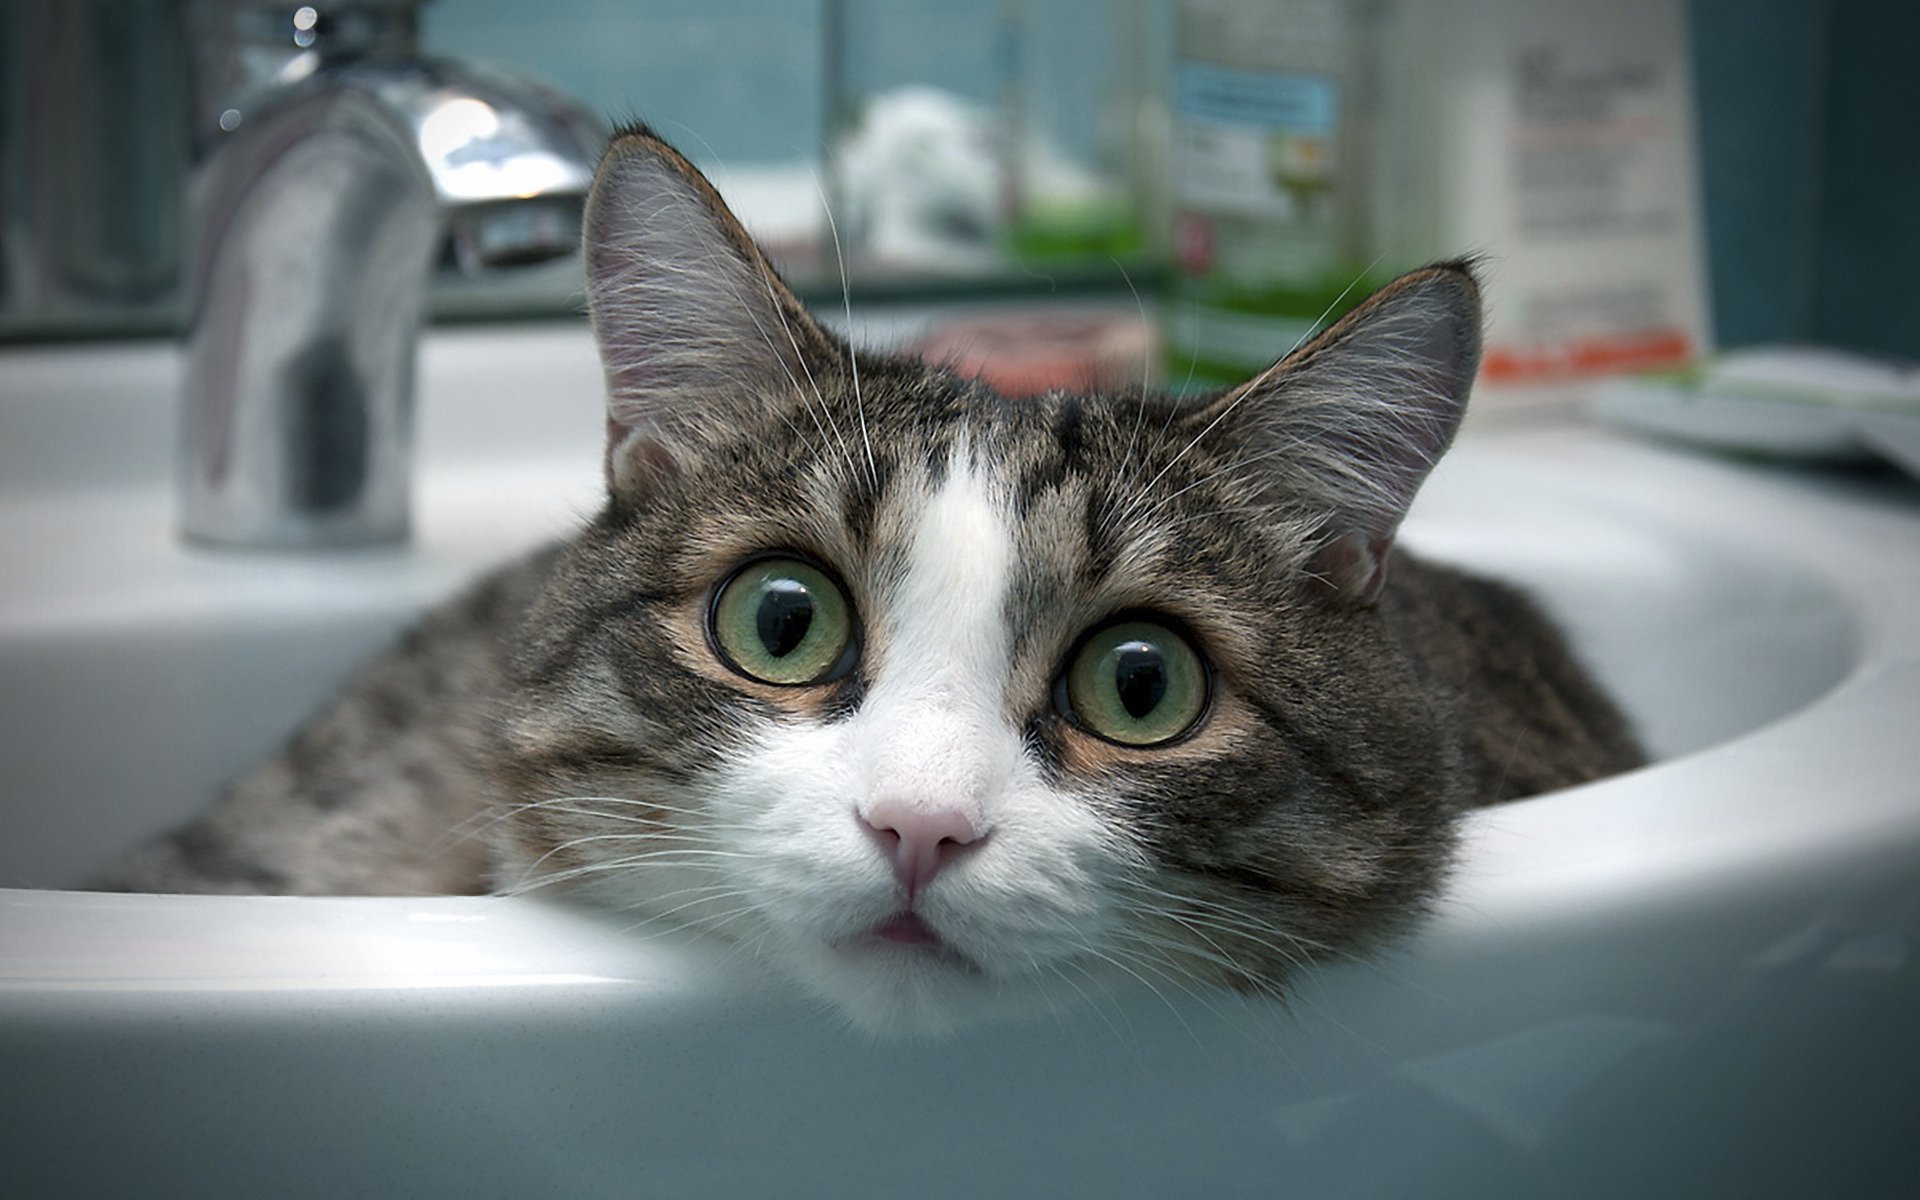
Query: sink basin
x=140 y=673
x=1696 y=978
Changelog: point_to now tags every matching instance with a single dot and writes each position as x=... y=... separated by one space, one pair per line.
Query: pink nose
x=919 y=842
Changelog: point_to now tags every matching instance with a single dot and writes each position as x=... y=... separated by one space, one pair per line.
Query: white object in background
x=1563 y=145
x=1787 y=401
x=919 y=180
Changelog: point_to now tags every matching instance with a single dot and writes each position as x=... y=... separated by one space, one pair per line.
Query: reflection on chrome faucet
x=336 y=172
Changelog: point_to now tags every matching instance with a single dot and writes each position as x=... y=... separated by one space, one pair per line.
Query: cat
x=945 y=702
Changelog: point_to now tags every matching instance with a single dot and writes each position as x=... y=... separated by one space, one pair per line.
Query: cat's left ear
x=1353 y=421
x=695 y=326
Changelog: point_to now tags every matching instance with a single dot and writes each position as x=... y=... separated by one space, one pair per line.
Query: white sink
x=1699 y=978
x=139 y=673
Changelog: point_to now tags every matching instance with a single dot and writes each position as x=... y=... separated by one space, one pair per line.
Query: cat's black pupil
x=1140 y=676
x=786 y=613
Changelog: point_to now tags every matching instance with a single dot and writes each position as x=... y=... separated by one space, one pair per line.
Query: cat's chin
x=905 y=988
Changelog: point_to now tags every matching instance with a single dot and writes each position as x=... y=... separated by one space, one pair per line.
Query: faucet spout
x=316 y=221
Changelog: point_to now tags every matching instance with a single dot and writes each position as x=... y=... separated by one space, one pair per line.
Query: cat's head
x=945 y=701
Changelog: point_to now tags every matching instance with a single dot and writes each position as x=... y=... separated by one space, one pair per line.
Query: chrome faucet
x=337 y=168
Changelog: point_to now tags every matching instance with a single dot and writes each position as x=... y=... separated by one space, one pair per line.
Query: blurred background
x=1643 y=179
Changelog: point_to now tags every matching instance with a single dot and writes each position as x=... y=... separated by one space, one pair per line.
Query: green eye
x=1134 y=682
x=781 y=621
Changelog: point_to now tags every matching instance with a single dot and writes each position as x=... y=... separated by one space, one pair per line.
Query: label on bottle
x=1256 y=197
x=1572 y=131
x=1254 y=143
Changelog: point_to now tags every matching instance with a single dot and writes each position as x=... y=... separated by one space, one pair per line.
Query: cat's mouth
x=911 y=932
x=906 y=929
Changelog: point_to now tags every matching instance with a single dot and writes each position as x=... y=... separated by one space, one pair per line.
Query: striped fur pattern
x=576 y=707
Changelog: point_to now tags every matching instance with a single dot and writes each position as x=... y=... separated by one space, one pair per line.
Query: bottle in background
x=1275 y=224
x=1562 y=142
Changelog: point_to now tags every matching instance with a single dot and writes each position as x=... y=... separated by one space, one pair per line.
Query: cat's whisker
x=1214 y=515
x=753 y=945
x=533 y=869
x=1261 y=986
x=573 y=874
x=1214 y=951
x=545 y=802
x=1201 y=991
x=615 y=868
x=1184 y=951
x=1292 y=947
x=1307 y=953
x=1095 y=1000
x=661 y=921
x=1186 y=384
x=1234 y=467
x=1119 y=964
x=1289 y=446
x=1226 y=919
x=640 y=826
x=636 y=801
x=1251 y=998
x=853 y=360
x=707 y=821
x=812 y=450
x=701 y=896
x=704 y=922
x=826 y=439
x=671 y=854
x=1197 y=991
x=822 y=415
x=479 y=824
x=1307 y=334
x=608 y=867
x=1128 y=460
x=800 y=356
x=527 y=881
x=645 y=821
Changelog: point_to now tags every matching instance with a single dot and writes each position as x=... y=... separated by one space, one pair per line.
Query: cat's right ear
x=691 y=319
x=1349 y=425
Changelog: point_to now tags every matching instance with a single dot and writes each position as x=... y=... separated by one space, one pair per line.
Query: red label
x=1587 y=357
